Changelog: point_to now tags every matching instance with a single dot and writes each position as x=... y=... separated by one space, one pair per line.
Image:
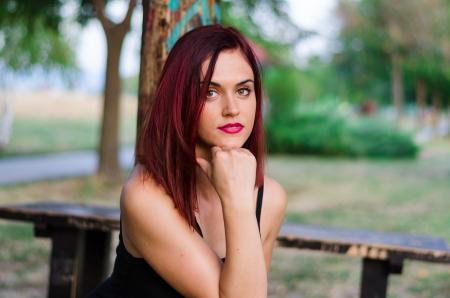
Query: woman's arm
x=157 y=231
x=244 y=271
x=232 y=172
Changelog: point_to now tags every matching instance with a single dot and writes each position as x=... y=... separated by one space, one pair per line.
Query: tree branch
x=125 y=24
x=99 y=7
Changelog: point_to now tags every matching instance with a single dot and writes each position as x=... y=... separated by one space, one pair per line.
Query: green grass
x=408 y=196
x=38 y=136
x=17 y=231
x=21 y=257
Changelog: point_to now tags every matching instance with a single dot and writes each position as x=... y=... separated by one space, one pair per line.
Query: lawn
x=51 y=121
x=411 y=196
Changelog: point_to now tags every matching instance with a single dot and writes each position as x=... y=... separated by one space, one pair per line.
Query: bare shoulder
x=274 y=204
x=275 y=195
x=141 y=195
x=141 y=199
x=149 y=223
x=138 y=191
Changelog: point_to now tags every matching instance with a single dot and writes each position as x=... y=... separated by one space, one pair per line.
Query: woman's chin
x=231 y=145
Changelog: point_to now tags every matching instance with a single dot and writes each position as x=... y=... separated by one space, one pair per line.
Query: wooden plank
x=366 y=244
x=358 y=236
x=85 y=217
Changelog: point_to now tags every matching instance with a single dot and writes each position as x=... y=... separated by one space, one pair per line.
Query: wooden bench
x=81 y=242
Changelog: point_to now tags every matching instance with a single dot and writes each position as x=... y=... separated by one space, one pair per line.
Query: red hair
x=166 y=146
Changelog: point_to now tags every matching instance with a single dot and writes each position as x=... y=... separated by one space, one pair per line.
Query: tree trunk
x=109 y=138
x=421 y=95
x=437 y=99
x=108 y=149
x=158 y=36
x=6 y=119
x=397 y=85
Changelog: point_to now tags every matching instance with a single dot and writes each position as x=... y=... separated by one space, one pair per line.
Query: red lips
x=237 y=124
x=231 y=127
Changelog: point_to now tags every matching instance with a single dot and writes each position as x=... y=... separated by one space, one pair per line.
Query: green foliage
x=327 y=129
x=319 y=79
x=376 y=138
x=30 y=36
x=282 y=86
x=313 y=129
x=277 y=42
x=373 y=31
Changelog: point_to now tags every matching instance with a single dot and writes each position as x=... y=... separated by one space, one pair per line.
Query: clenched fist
x=232 y=172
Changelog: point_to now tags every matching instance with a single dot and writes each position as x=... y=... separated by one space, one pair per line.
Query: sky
x=315 y=15
x=90 y=42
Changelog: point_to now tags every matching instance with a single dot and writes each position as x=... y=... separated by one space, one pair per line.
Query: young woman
x=193 y=221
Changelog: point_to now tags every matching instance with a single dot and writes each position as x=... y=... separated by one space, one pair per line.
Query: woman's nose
x=231 y=106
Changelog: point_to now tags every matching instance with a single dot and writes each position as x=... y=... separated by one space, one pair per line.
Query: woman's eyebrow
x=240 y=83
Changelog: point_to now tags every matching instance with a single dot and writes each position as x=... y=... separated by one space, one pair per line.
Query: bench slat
x=353 y=242
x=357 y=236
x=366 y=244
x=86 y=217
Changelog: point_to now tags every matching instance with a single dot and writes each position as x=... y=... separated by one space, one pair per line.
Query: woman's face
x=230 y=100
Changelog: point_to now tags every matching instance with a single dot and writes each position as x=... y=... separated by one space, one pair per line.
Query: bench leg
x=65 y=255
x=95 y=265
x=79 y=260
x=374 y=278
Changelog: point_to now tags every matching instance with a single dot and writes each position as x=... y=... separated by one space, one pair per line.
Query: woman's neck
x=205 y=189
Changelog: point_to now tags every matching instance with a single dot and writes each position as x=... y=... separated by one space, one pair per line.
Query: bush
x=372 y=137
x=328 y=129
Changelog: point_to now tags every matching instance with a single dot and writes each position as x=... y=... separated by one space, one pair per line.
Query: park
x=359 y=139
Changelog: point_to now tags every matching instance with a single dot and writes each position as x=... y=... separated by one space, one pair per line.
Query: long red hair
x=166 y=146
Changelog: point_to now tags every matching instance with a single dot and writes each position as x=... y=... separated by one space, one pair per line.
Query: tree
x=160 y=30
x=32 y=36
x=108 y=148
x=276 y=33
x=29 y=39
x=402 y=33
x=162 y=25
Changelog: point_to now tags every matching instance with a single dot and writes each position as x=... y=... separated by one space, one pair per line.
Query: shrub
x=329 y=129
x=372 y=137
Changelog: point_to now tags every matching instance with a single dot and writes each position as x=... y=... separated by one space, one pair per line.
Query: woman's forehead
x=231 y=67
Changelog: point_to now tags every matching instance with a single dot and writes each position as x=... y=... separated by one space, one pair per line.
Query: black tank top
x=133 y=277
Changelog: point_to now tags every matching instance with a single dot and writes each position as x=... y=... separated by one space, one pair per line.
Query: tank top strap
x=259 y=205
x=120 y=227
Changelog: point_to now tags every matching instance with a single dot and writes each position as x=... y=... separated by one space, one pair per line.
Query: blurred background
x=356 y=111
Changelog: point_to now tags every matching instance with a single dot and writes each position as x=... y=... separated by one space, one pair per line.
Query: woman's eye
x=210 y=93
x=244 y=91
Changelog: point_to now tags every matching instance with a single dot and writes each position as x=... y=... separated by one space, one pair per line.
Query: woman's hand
x=232 y=172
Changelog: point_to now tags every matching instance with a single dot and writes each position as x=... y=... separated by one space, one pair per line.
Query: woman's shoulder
x=141 y=189
x=274 y=195
x=274 y=207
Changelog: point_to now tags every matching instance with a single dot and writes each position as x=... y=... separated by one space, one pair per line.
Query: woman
x=192 y=219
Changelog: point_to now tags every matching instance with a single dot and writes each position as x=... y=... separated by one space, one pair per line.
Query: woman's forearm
x=244 y=272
